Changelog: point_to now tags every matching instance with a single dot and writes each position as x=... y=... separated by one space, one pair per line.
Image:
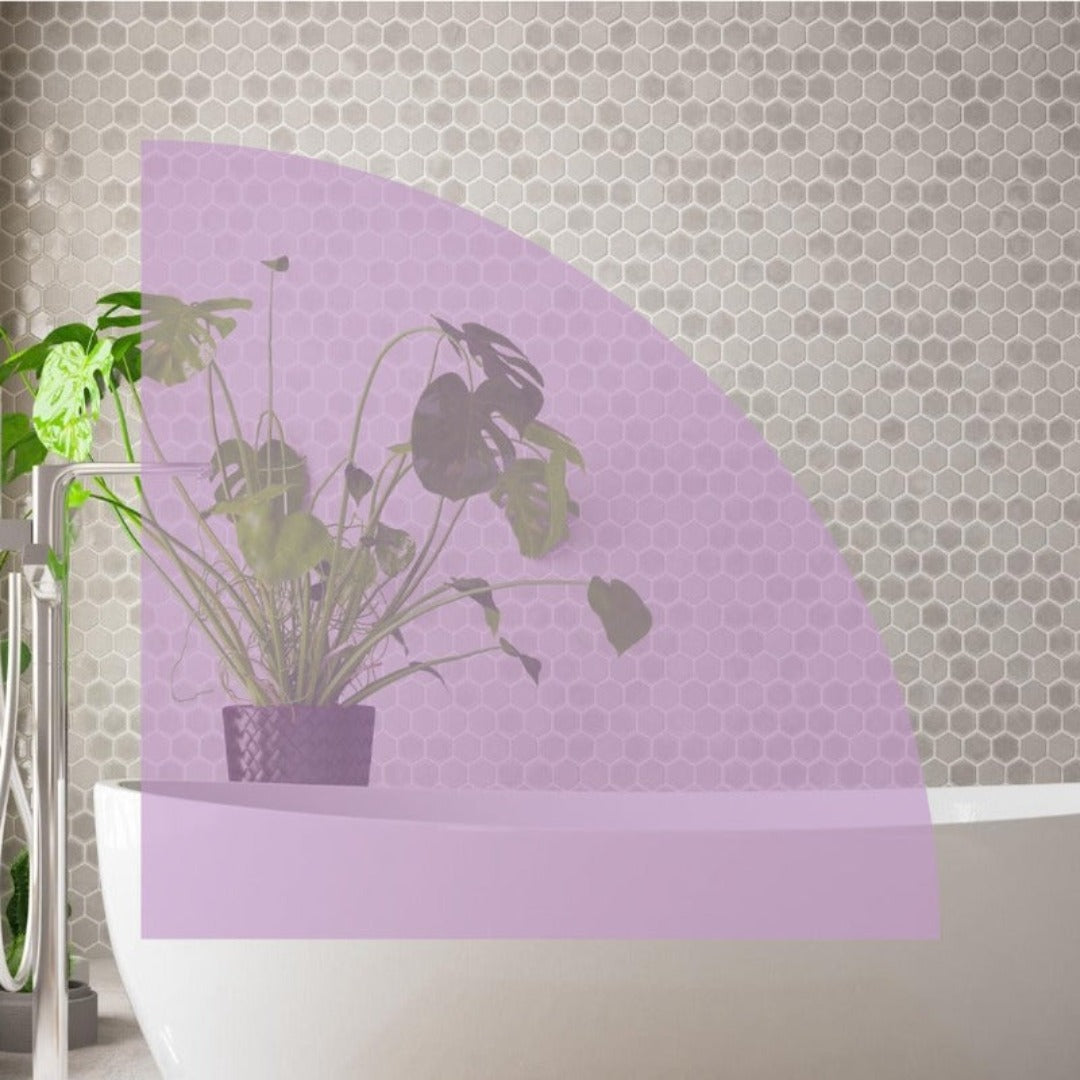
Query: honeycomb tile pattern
x=860 y=219
x=763 y=667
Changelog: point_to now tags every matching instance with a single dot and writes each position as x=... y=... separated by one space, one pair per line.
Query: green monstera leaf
x=546 y=437
x=20 y=447
x=450 y=453
x=394 y=548
x=13 y=957
x=243 y=469
x=24 y=656
x=276 y=546
x=281 y=548
x=68 y=401
x=177 y=338
x=510 y=376
x=16 y=912
x=532 y=494
x=31 y=360
x=18 y=906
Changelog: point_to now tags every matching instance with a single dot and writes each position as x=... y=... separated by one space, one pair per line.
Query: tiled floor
x=120 y=1053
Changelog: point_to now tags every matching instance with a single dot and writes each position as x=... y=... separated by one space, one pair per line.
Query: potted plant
x=63 y=417
x=16 y=1029
x=307 y=591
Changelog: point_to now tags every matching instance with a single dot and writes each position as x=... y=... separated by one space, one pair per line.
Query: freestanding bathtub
x=997 y=997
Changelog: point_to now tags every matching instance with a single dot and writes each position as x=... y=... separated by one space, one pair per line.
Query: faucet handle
x=38 y=571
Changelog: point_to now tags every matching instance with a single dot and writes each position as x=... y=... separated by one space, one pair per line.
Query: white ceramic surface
x=997 y=997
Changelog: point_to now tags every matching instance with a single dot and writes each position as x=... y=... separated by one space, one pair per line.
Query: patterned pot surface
x=299 y=744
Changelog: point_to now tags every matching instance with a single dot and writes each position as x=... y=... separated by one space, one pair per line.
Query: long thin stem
x=169 y=542
x=377 y=502
x=423 y=565
x=230 y=652
x=403 y=469
x=269 y=635
x=252 y=601
x=352 y=611
x=425 y=606
x=204 y=527
x=383 y=353
x=326 y=481
x=270 y=370
x=332 y=582
x=412 y=669
x=257 y=594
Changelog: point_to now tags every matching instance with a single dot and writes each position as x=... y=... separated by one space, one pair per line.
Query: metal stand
x=44 y=550
x=49 y=487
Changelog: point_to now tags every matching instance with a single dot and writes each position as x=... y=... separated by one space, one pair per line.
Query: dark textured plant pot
x=299 y=744
x=16 y=1028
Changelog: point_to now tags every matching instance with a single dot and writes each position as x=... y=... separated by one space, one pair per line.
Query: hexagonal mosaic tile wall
x=861 y=219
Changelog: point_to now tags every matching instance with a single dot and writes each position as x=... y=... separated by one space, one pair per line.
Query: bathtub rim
x=947 y=805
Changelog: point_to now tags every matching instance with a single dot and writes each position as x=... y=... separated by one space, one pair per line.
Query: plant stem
x=326 y=481
x=193 y=584
x=424 y=606
x=383 y=353
x=331 y=583
x=377 y=502
x=413 y=669
x=270 y=370
x=167 y=540
x=422 y=569
x=122 y=511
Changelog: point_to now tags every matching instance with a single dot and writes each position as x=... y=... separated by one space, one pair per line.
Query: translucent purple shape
x=764 y=672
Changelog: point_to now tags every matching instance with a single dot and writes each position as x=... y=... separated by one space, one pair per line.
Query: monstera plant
x=54 y=390
x=308 y=591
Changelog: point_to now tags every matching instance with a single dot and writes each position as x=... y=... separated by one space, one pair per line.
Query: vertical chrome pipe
x=11 y=785
x=50 y=1007
x=49 y=490
x=49 y=487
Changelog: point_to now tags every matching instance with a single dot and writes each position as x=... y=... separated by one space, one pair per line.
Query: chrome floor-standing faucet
x=43 y=544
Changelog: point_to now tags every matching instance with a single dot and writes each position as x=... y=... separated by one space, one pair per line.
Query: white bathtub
x=997 y=997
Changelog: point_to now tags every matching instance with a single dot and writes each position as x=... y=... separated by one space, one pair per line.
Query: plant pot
x=16 y=1027
x=299 y=744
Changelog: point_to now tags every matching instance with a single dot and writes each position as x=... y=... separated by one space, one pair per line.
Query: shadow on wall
x=993 y=1000
x=679 y=1009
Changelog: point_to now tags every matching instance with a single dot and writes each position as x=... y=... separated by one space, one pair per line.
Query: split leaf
x=532 y=494
x=450 y=454
x=177 y=338
x=542 y=435
x=247 y=470
x=32 y=359
x=68 y=400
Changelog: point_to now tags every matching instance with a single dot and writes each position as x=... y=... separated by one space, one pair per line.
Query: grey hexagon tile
x=861 y=219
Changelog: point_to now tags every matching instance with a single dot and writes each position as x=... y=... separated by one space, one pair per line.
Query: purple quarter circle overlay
x=747 y=769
